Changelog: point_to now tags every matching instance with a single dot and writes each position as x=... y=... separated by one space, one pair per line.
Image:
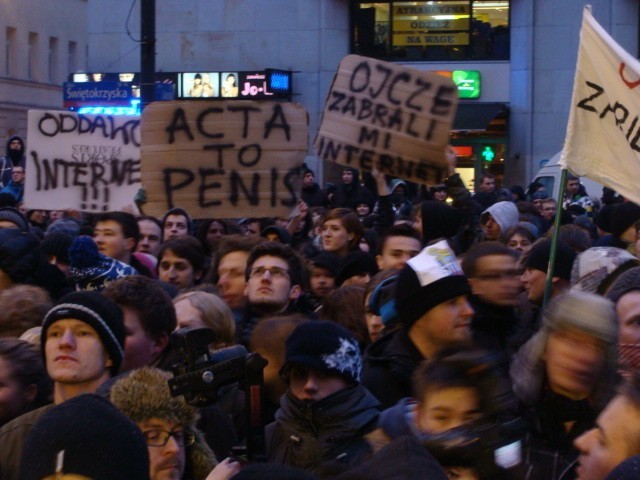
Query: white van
x=549 y=176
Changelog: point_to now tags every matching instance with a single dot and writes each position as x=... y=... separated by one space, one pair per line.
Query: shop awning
x=477 y=116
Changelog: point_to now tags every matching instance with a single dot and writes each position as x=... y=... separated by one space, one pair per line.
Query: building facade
x=525 y=52
x=41 y=42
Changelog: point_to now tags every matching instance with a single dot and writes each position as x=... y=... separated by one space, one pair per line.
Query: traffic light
x=488 y=153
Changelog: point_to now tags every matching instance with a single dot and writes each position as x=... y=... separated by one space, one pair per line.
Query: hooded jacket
x=348 y=196
x=7 y=162
x=307 y=435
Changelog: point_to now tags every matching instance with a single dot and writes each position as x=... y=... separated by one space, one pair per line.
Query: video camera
x=200 y=374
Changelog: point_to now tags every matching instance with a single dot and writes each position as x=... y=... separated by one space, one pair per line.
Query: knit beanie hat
x=87 y=436
x=539 y=195
x=538 y=258
x=90 y=269
x=13 y=215
x=145 y=394
x=439 y=220
x=430 y=278
x=19 y=254
x=355 y=263
x=64 y=225
x=623 y=216
x=596 y=264
x=505 y=214
x=327 y=260
x=325 y=346
x=104 y=315
x=282 y=233
x=57 y=245
x=625 y=283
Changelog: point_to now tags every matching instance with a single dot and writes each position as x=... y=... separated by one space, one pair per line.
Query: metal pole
x=147 y=52
x=554 y=238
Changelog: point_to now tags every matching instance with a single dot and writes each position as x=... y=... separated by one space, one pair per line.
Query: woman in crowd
x=341 y=231
x=202 y=309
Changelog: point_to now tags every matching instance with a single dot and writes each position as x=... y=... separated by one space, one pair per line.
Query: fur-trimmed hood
x=145 y=394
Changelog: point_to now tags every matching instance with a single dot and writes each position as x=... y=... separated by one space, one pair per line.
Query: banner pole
x=554 y=238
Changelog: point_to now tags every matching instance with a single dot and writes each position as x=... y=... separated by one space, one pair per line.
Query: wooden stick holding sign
x=388 y=117
x=226 y=159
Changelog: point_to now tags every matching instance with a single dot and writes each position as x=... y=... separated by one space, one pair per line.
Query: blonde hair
x=216 y=315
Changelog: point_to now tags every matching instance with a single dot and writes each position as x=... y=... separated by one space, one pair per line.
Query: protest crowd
x=409 y=331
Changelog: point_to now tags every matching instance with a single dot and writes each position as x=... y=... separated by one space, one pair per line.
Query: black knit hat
x=325 y=346
x=355 y=263
x=19 y=254
x=430 y=278
x=327 y=260
x=13 y=215
x=104 y=315
x=538 y=258
x=86 y=436
x=57 y=245
x=625 y=283
x=623 y=216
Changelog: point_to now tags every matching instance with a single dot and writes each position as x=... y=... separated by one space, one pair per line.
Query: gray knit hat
x=596 y=265
x=625 y=283
x=13 y=215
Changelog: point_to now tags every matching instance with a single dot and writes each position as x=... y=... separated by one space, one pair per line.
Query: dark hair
x=151 y=219
x=232 y=75
x=285 y=252
x=27 y=368
x=128 y=223
x=484 y=175
x=177 y=211
x=150 y=301
x=345 y=306
x=574 y=236
x=203 y=230
x=188 y=248
x=483 y=249
x=400 y=230
x=350 y=221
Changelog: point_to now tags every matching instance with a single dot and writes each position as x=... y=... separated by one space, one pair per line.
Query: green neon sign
x=468 y=83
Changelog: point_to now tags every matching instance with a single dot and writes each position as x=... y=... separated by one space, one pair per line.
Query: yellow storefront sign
x=428 y=23
x=423 y=40
x=460 y=8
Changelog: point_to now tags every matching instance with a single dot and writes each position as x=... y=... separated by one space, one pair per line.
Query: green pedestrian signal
x=488 y=153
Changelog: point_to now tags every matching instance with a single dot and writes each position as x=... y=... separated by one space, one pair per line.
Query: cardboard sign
x=82 y=162
x=226 y=159
x=389 y=117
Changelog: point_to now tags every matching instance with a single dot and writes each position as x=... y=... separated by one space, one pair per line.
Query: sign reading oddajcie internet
x=102 y=93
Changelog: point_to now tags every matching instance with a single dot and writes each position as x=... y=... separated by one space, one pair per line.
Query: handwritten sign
x=83 y=162
x=386 y=116
x=228 y=159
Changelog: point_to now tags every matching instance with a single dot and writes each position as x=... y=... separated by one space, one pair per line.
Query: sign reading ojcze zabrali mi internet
x=389 y=117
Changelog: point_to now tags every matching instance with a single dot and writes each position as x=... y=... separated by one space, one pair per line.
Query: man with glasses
x=168 y=424
x=490 y=268
x=15 y=187
x=274 y=284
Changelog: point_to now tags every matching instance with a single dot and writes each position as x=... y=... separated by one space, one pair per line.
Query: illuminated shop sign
x=467 y=81
x=431 y=25
x=76 y=95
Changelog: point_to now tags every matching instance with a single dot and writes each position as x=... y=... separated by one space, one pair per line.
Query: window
x=32 y=72
x=446 y=30
x=53 y=60
x=10 y=52
x=72 y=57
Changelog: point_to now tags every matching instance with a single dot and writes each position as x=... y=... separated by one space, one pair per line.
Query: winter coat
x=313 y=196
x=307 y=436
x=12 y=438
x=492 y=325
x=389 y=363
x=15 y=190
x=349 y=196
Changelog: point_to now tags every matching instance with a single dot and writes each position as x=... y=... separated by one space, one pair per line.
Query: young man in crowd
x=82 y=342
x=493 y=276
x=274 y=283
x=432 y=306
x=176 y=223
x=399 y=244
x=325 y=411
x=150 y=235
x=117 y=235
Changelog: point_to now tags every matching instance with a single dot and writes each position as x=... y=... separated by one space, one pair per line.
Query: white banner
x=603 y=134
x=82 y=162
